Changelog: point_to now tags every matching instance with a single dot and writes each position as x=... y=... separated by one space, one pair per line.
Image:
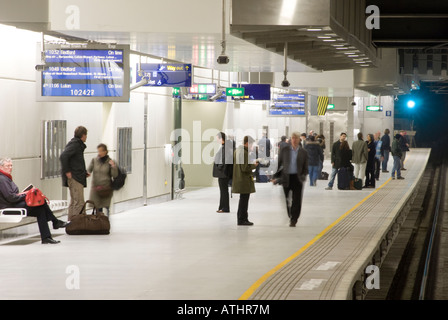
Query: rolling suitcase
x=343 y=179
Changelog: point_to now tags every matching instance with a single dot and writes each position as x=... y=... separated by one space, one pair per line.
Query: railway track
x=415 y=268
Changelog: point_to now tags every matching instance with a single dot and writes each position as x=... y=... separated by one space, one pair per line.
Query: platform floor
x=177 y=250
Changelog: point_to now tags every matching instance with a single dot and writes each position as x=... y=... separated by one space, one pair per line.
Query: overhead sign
x=374 y=108
x=255 y=91
x=288 y=105
x=234 y=92
x=202 y=89
x=85 y=73
x=165 y=75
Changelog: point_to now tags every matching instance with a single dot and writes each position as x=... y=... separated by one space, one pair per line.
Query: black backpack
x=118 y=182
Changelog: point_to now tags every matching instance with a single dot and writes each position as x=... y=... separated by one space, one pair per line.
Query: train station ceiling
x=409 y=47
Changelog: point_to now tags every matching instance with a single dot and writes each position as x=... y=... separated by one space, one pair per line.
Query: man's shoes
x=59 y=224
x=400 y=178
x=245 y=223
x=385 y=171
x=393 y=178
x=329 y=188
x=403 y=169
x=49 y=240
x=292 y=224
x=222 y=211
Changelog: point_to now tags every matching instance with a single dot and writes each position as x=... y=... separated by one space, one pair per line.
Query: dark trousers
x=370 y=176
x=224 y=194
x=43 y=215
x=377 y=168
x=296 y=186
x=243 y=206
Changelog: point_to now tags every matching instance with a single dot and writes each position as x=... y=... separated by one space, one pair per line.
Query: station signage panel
x=203 y=89
x=165 y=75
x=254 y=91
x=235 y=92
x=374 y=108
x=288 y=105
x=85 y=73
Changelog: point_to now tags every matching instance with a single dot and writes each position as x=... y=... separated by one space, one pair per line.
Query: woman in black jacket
x=10 y=197
x=370 y=168
x=346 y=156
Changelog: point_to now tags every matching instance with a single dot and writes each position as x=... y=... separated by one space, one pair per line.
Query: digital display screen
x=89 y=74
x=288 y=105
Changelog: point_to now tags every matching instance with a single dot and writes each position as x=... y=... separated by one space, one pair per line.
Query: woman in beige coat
x=102 y=169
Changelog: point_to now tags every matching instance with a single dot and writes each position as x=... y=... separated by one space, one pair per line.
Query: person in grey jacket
x=103 y=169
x=360 y=155
x=74 y=173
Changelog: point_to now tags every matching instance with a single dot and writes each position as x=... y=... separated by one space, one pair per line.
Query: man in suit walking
x=293 y=169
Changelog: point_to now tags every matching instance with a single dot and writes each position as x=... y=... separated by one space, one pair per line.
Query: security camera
x=223 y=59
x=285 y=83
x=40 y=67
x=396 y=98
x=353 y=103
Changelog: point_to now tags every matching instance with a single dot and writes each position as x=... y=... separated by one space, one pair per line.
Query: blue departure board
x=288 y=105
x=86 y=74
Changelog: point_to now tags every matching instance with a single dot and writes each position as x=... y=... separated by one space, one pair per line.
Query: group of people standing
x=366 y=159
x=300 y=156
x=74 y=176
x=238 y=169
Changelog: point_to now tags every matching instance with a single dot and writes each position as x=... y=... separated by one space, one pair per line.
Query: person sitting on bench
x=10 y=197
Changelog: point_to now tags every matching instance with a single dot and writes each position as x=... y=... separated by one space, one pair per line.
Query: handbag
x=88 y=224
x=35 y=198
x=103 y=191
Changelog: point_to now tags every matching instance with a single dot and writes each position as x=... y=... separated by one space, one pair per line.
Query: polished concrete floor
x=180 y=249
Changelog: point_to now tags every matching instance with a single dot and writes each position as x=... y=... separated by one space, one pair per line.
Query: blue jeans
x=397 y=167
x=334 y=172
x=386 y=159
x=313 y=172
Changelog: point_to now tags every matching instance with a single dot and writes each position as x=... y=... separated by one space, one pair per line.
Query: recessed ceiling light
x=354 y=56
x=323 y=37
x=329 y=40
x=314 y=29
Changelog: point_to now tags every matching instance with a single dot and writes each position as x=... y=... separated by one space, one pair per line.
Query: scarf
x=104 y=159
x=6 y=174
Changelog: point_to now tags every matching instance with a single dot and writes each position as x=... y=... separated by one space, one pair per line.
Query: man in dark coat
x=292 y=172
x=335 y=159
x=223 y=170
x=385 y=149
x=74 y=173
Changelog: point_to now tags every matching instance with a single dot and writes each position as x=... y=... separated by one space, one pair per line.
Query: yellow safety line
x=246 y=295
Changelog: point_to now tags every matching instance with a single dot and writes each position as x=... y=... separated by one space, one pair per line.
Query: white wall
x=21 y=118
x=372 y=122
